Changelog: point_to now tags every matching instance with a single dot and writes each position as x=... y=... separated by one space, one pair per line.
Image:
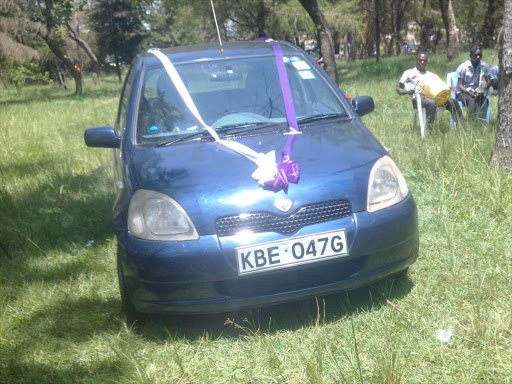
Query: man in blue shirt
x=471 y=88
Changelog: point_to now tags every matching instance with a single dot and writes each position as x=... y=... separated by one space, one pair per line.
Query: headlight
x=386 y=185
x=155 y=216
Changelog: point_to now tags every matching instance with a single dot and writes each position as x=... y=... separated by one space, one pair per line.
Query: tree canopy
x=96 y=32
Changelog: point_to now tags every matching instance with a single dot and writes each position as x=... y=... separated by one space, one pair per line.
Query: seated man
x=471 y=90
x=494 y=74
x=409 y=85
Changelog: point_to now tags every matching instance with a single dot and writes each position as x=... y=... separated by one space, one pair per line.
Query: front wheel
x=401 y=274
x=131 y=314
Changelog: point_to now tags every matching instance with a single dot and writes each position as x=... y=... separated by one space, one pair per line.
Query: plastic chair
x=452 y=80
x=422 y=117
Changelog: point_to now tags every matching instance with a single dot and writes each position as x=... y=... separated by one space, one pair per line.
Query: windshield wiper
x=182 y=138
x=323 y=116
x=238 y=129
x=221 y=129
x=228 y=127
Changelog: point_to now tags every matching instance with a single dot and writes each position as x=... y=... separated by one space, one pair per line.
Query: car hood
x=210 y=181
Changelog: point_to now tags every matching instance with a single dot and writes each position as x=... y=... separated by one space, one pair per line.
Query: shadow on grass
x=67 y=321
x=76 y=320
x=21 y=371
x=66 y=210
x=290 y=316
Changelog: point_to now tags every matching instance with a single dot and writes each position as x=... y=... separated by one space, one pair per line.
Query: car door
x=120 y=129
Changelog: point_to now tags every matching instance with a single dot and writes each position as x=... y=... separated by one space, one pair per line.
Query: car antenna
x=217 y=25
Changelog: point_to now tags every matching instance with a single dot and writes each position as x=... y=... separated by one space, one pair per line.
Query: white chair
x=422 y=116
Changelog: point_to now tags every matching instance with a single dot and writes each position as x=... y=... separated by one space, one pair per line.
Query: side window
x=125 y=96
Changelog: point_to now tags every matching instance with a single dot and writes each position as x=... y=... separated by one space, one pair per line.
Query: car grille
x=269 y=222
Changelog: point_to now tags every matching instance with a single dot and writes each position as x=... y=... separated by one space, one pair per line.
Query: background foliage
x=111 y=32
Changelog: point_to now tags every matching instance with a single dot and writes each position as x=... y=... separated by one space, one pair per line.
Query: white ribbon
x=267 y=168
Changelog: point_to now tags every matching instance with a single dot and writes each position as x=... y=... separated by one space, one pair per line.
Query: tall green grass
x=60 y=315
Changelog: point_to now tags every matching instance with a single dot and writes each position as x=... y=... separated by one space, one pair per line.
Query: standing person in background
x=494 y=74
x=409 y=84
x=471 y=88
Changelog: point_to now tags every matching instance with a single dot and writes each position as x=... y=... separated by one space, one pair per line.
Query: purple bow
x=288 y=171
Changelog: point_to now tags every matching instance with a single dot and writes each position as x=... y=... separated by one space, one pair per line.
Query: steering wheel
x=239 y=118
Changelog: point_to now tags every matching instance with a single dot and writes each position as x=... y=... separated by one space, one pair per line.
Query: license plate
x=290 y=252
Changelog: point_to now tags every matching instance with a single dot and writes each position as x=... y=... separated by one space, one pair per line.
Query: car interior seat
x=263 y=92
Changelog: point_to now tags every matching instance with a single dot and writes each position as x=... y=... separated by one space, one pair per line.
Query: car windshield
x=238 y=93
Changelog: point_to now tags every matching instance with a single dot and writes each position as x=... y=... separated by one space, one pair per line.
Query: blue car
x=244 y=177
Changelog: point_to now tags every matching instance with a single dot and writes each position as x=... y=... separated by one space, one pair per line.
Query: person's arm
x=488 y=81
x=463 y=89
x=401 y=90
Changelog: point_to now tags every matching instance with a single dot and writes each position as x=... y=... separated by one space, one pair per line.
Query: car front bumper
x=201 y=276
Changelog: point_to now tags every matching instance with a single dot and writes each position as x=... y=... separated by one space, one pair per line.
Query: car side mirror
x=103 y=137
x=363 y=105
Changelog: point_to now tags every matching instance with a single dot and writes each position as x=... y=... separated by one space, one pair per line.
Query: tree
x=119 y=29
x=452 y=38
x=399 y=11
x=16 y=32
x=430 y=22
x=377 y=6
x=277 y=19
x=489 y=23
x=324 y=36
x=183 y=22
x=290 y=21
x=346 y=20
x=250 y=16
x=73 y=28
x=53 y=13
x=503 y=152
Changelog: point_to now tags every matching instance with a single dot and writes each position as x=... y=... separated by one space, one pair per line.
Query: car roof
x=212 y=51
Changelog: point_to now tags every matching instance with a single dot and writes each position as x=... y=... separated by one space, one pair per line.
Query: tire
x=131 y=314
x=401 y=275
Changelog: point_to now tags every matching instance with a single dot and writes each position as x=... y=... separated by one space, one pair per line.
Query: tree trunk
x=399 y=14
x=74 y=34
x=260 y=19
x=453 y=42
x=489 y=23
x=55 y=45
x=402 y=7
x=324 y=35
x=377 y=29
x=503 y=152
x=336 y=42
x=118 y=68
x=352 y=50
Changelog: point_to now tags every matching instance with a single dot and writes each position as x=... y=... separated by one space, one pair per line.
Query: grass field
x=60 y=312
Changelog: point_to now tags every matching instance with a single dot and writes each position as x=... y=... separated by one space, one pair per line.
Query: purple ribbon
x=288 y=171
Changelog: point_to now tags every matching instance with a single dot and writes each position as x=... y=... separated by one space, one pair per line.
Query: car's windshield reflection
x=232 y=93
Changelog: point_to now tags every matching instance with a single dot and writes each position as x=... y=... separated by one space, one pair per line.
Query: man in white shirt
x=471 y=88
x=409 y=85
